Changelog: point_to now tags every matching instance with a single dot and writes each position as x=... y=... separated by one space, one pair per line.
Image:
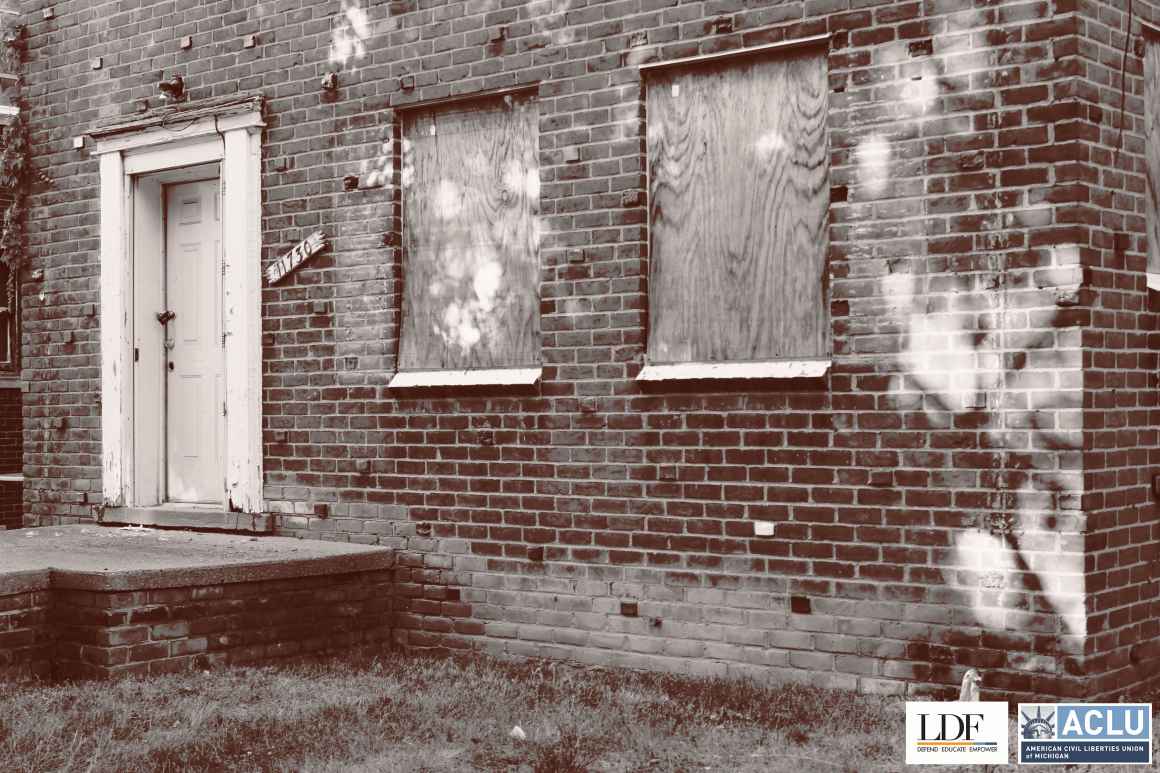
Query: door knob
x=165 y=316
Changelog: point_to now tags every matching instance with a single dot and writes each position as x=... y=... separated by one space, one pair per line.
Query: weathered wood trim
x=199 y=150
x=185 y=131
x=773 y=369
x=783 y=45
x=242 y=305
x=411 y=379
x=116 y=333
x=181 y=117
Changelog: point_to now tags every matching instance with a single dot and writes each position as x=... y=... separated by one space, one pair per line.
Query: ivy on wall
x=16 y=171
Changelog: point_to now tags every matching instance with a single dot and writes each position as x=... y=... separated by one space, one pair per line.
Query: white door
x=193 y=340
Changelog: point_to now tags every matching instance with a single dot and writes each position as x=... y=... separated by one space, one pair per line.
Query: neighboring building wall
x=11 y=455
x=11 y=504
x=11 y=459
x=927 y=495
x=11 y=420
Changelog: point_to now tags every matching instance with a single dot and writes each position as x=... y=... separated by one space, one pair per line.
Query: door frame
x=231 y=135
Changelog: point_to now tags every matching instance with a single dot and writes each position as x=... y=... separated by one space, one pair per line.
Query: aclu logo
x=956 y=733
x=1110 y=733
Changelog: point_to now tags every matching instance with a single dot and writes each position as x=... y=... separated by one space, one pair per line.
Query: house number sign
x=302 y=252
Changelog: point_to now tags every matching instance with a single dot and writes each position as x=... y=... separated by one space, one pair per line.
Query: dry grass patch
x=422 y=713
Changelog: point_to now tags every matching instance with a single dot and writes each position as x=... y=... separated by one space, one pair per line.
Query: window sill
x=9 y=383
x=412 y=379
x=770 y=369
x=13 y=477
x=1154 y=280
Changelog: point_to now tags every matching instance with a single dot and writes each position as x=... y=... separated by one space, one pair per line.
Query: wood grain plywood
x=739 y=192
x=1152 y=148
x=471 y=270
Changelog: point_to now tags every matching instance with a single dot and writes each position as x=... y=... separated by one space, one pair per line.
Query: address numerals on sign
x=303 y=251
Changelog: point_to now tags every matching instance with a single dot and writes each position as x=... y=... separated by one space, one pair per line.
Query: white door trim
x=235 y=141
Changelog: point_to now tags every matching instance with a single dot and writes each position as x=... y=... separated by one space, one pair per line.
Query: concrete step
x=207 y=518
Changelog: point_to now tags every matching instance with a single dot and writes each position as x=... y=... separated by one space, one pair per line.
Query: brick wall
x=76 y=634
x=100 y=634
x=25 y=636
x=937 y=498
x=1107 y=176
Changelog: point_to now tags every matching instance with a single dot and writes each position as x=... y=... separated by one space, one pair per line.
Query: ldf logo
x=962 y=726
x=956 y=733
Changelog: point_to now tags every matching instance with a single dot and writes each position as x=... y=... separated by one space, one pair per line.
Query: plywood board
x=1152 y=148
x=738 y=198
x=470 y=182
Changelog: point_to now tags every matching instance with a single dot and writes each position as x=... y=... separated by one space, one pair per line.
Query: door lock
x=165 y=316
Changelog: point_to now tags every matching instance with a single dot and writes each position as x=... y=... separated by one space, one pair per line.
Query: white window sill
x=1154 y=280
x=10 y=383
x=410 y=379
x=14 y=477
x=770 y=369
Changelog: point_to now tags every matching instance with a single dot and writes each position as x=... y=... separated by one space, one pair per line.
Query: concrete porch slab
x=89 y=601
x=115 y=559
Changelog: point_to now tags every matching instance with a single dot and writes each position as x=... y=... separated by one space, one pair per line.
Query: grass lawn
x=413 y=713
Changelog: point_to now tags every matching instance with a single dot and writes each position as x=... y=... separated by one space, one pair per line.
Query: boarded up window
x=471 y=190
x=738 y=196
x=1152 y=148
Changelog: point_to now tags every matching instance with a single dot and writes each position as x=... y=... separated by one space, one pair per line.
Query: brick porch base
x=91 y=602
